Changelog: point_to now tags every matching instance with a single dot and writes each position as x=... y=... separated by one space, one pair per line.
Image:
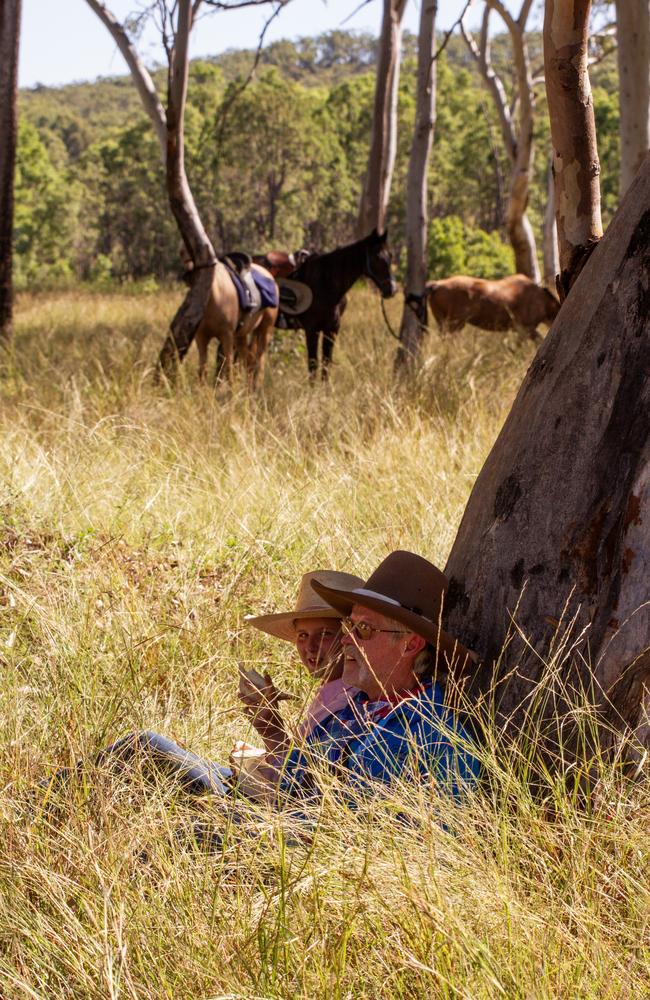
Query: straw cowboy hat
x=407 y=589
x=308 y=605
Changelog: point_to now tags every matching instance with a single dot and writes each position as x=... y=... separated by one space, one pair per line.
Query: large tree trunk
x=573 y=131
x=9 y=36
x=414 y=318
x=558 y=522
x=383 y=144
x=196 y=240
x=633 y=37
x=518 y=141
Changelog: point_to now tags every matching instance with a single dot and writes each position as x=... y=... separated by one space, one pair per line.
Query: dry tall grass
x=139 y=526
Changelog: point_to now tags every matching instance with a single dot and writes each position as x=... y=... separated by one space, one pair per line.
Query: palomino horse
x=330 y=276
x=241 y=337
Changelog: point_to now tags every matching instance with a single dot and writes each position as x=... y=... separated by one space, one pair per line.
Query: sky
x=63 y=40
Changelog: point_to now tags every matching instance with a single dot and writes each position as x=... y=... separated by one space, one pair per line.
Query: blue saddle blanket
x=268 y=289
x=266 y=286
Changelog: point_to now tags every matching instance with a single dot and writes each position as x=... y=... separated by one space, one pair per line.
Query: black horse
x=330 y=276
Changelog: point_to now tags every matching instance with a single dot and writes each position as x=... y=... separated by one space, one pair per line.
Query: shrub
x=456 y=248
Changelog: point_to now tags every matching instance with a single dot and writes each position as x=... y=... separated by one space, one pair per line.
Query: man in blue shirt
x=398 y=657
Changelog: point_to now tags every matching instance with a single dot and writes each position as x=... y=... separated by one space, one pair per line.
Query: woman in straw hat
x=314 y=627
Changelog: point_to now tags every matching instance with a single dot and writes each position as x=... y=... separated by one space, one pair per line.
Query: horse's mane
x=325 y=261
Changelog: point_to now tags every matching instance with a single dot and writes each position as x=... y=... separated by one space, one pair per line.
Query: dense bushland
x=137 y=530
x=278 y=164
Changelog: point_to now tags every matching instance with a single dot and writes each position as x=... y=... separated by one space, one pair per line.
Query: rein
x=199 y=267
x=373 y=277
x=412 y=301
x=387 y=322
x=189 y=271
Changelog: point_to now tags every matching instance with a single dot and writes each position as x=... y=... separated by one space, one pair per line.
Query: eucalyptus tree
x=556 y=527
x=175 y=20
x=549 y=570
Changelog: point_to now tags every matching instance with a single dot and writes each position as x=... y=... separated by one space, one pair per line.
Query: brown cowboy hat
x=407 y=589
x=308 y=605
x=295 y=296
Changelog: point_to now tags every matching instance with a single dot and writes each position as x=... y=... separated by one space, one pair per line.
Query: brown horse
x=242 y=337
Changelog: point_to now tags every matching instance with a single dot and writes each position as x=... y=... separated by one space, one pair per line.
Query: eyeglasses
x=364 y=631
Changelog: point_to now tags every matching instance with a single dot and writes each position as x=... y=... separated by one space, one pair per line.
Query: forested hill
x=279 y=164
x=81 y=111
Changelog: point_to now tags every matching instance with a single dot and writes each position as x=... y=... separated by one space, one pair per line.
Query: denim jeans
x=194 y=774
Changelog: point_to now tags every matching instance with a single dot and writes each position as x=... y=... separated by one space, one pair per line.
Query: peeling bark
x=633 y=38
x=383 y=144
x=558 y=521
x=9 y=40
x=414 y=317
x=550 y=249
x=576 y=166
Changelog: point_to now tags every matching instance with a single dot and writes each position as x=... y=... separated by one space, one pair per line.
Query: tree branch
x=364 y=3
x=506 y=16
x=178 y=70
x=481 y=56
x=145 y=85
x=448 y=34
x=227 y=108
x=238 y=4
x=523 y=13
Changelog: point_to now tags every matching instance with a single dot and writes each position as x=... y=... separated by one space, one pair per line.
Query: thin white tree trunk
x=186 y=321
x=9 y=41
x=383 y=145
x=633 y=38
x=520 y=230
x=414 y=318
x=518 y=140
x=573 y=131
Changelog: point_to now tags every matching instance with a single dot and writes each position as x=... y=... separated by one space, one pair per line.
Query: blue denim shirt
x=379 y=741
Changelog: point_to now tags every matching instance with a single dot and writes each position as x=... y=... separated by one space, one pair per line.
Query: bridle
x=369 y=273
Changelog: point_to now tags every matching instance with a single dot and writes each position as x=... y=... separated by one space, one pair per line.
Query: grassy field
x=139 y=526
